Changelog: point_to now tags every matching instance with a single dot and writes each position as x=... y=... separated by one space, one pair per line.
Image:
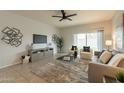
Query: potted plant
x=59 y=41
x=120 y=77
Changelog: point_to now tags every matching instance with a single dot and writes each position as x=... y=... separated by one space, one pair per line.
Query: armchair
x=86 y=54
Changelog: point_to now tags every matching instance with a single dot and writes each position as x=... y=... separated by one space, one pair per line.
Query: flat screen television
x=39 y=39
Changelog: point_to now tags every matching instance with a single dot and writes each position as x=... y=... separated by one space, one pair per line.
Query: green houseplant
x=59 y=41
x=120 y=76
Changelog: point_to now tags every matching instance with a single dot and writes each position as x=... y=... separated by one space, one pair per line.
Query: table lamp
x=108 y=43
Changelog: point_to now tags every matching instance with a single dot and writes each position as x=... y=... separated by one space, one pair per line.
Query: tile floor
x=21 y=73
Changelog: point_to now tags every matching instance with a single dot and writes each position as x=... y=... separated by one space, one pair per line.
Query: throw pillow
x=105 y=57
x=100 y=53
x=74 y=48
x=121 y=63
x=86 y=48
x=116 y=59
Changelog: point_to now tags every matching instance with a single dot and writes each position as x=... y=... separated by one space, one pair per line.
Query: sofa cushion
x=105 y=57
x=100 y=53
x=116 y=59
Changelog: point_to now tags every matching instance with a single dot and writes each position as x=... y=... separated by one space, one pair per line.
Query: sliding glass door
x=81 y=40
x=94 y=40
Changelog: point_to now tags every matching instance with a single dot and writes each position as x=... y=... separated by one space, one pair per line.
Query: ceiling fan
x=64 y=16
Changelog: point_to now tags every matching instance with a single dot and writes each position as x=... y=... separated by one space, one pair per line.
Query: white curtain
x=100 y=38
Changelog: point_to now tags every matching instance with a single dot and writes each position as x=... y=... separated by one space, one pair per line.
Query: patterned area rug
x=62 y=72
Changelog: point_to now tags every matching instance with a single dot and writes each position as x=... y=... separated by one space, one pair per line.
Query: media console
x=39 y=54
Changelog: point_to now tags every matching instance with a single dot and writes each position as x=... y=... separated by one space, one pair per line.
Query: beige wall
x=117 y=24
x=68 y=32
x=10 y=55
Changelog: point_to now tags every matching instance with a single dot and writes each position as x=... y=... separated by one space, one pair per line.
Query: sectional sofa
x=97 y=70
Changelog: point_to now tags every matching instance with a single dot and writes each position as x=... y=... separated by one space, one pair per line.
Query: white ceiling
x=83 y=16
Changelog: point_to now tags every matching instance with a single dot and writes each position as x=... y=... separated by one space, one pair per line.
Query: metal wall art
x=12 y=36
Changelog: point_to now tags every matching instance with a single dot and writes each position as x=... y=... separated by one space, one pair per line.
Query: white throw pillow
x=105 y=57
x=116 y=59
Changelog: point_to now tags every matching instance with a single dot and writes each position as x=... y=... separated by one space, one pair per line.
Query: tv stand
x=39 y=54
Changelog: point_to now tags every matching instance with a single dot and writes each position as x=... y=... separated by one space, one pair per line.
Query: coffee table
x=69 y=58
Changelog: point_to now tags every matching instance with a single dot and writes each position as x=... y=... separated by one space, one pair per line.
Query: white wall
x=68 y=32
x=10 y=55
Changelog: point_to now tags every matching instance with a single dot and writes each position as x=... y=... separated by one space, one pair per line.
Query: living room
x=92 y=28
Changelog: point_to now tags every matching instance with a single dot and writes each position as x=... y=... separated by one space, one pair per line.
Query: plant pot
x=117 y=81
x=59 y=51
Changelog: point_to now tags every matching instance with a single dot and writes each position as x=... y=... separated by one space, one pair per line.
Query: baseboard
x=10 y=65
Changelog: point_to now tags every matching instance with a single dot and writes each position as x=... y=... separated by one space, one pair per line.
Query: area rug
x=62 y=72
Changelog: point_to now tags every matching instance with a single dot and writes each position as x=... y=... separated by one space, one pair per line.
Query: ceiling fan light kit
x=64 y=16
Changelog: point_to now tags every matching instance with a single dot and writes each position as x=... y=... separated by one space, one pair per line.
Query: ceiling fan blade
x=69 y=19
x=57 y=16
x=61 y=19
x=71 y=15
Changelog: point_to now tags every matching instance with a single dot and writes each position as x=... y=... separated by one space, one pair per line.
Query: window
x=94 y=40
